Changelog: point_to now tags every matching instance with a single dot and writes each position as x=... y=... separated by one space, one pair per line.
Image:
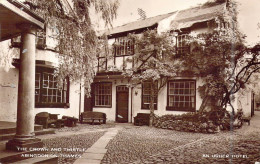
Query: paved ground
x=125 y=143
x=151 y=145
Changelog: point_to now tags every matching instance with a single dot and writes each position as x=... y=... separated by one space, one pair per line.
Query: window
x=182 y=46
x=102 y=63
x=47 y=93
x=146 y=95
x=224 y=25
x=40 y=40
x=181 y=95
x=103 y=94
x=123 y=47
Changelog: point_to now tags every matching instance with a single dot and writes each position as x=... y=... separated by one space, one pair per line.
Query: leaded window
x=47 y=91
x=182 y=45
x=181 y=95
x=123 y=47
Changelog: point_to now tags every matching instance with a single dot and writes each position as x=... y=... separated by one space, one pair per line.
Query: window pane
x=49 y=92
x=123 y=46
x=181 y=94
x=103 y=94
x=146 y=94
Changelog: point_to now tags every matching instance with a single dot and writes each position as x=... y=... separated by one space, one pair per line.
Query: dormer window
x=182 y=46
x=123 y=47
x=224 y=25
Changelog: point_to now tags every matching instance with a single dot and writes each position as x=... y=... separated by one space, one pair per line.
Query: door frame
x=125 y=90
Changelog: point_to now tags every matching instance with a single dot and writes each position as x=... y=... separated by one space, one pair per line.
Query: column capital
x=27 y=27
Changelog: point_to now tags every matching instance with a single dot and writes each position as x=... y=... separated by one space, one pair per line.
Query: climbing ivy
x=77 y=40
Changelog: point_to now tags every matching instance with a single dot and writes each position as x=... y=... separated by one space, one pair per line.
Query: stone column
x=25 y=136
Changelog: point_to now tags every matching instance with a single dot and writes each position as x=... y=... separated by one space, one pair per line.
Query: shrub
x=193 y=122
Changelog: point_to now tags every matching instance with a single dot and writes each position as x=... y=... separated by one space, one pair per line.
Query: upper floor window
x=102 y=63
x=46 y=38
x=224 y=25
x=40 y=40
x=181 y=95
x=47 y=92
x=123 y=47
x=182 y=45
x=146 y=95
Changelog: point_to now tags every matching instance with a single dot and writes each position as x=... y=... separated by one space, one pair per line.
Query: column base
x=23 y=145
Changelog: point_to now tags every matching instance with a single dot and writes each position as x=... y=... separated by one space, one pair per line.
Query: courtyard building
x=110 y=91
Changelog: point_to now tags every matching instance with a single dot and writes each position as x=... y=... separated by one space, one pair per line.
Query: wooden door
x=122 y=104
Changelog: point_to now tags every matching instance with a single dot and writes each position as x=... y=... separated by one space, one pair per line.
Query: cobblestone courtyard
x=144 y=144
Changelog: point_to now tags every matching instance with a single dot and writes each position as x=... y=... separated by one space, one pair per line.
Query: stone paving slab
x=93 y=156
x=87 y=161
x=96 y=150
x=107 y=138
x=100 y=144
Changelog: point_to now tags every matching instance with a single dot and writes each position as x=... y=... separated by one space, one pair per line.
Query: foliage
x=152 y=58
x=205 y=122
x=221 y=59
x=190 y=122
x=77 y=39
x=153 y=61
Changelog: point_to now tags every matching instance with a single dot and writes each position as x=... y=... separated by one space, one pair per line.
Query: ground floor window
x=146 y=95
x=103 y=94
x=181 y=95
x=47 y=92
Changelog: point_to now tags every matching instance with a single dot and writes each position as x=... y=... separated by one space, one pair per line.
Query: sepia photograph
x=129 y=81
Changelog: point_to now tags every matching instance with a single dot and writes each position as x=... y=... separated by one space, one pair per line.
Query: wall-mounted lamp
x=115 y=81
x=136 y=93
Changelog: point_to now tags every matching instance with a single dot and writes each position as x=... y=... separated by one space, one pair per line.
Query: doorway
x=122 y=95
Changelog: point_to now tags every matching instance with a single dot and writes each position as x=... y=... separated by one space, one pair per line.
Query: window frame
x=41 y=104
x=184 y=109
x=94 y=95
x=147 y=106
x=123 y=42
x=40 y=40
x=180 y=50
x=100 y=68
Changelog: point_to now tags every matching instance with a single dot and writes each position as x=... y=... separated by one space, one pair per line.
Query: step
x=10 y=130
x=19 y=158
x=39 y=132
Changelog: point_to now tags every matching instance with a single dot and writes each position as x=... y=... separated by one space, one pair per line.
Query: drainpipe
x=131 y=104
x=79 y=98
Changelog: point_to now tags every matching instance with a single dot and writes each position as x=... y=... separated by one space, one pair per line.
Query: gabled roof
x=184 y=18
x=139 y=24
